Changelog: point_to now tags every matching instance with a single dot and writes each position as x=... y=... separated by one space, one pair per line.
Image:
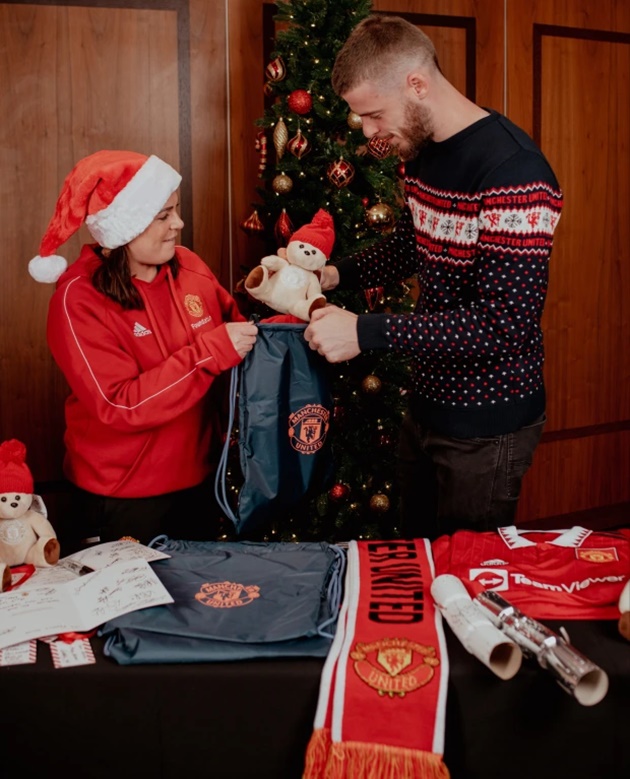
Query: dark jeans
x=191 y=514
x=447 y=484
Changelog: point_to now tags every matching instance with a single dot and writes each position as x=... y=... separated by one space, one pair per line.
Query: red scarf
x=382 y=700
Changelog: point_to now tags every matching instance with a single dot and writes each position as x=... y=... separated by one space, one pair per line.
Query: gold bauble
x=282 y=184
x=354 y=121
x=379 y=503
x=371 y=385
x=380 y=216
x=280 y=137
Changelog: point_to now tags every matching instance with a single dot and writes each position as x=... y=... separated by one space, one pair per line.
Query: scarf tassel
x=360 y=760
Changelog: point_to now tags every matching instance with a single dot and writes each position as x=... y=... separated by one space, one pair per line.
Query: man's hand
x=329 y=278
x=333 y=333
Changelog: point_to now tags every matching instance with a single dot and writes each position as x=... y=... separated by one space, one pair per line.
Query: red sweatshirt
x=139 y=420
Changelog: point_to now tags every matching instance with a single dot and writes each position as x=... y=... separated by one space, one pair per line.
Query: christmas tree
x=314 y=155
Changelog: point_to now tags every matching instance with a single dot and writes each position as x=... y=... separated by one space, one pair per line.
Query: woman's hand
x=243 y=336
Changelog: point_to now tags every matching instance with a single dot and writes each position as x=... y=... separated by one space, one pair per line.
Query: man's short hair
x=377 y=49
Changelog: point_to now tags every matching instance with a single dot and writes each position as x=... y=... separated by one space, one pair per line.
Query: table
x=252 y=720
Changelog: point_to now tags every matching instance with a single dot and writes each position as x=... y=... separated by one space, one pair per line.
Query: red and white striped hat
x=116 y=193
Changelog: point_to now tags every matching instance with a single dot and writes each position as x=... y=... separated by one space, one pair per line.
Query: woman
x=141 y=330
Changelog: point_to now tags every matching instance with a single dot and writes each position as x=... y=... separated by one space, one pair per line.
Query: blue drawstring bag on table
x=234 y=600
x=282 y=393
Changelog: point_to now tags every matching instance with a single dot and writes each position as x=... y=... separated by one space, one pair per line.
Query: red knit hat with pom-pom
x=320 y=233
x=15 y=475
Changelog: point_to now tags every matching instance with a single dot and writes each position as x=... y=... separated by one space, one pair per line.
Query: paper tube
x=475 y=631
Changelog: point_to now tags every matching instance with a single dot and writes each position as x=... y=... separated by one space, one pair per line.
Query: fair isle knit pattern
x=477 y=230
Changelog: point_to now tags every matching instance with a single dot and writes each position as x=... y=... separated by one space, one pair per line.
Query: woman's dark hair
x=112 y=277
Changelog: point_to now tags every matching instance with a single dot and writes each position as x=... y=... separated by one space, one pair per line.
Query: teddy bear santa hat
x=116 y=193
x=319 y=232
x=15 y=475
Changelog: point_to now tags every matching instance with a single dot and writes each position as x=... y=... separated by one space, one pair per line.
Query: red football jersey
x=547 y=574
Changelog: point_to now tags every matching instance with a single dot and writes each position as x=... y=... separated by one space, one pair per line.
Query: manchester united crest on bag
x=284 y=405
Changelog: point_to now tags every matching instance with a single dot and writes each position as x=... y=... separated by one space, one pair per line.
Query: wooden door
x=568 y=82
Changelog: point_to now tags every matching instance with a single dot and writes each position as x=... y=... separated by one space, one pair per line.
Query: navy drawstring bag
x=285 y=405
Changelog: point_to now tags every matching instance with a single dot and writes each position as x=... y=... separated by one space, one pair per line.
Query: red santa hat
x=15 y=475
x=320 y=233
x=116 y=193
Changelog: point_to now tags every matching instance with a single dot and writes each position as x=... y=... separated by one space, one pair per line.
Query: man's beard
x=417 y=132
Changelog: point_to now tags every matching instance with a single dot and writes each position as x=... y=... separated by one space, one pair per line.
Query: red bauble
x=275 y=70
x=365 y=202
x=340 y=173
x=374 y=296
x=379 y=148
x=400 y=170
x=299 y=145
x=252 y=225
x=339 y=492
x=283 y=229
x=300 y=101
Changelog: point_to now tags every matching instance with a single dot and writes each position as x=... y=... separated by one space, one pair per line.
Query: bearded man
x=481 y=206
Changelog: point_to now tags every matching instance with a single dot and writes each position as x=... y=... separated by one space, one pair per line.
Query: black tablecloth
x=254 y=719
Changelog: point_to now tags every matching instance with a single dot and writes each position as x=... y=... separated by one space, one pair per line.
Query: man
x=481 y=205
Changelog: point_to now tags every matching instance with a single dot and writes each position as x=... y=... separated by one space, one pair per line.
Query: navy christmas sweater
x=477 y=229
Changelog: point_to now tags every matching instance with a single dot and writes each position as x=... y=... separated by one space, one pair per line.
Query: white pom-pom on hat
x=47 y=270
x=117 y=194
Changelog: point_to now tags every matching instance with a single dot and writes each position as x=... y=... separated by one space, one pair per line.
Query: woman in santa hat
x=141 y=329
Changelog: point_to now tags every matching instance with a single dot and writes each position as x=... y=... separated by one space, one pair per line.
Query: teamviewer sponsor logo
x=490 y=578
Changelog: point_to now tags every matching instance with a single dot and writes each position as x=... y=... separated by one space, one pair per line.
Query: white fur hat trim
x=135 y=206
x=47 y=269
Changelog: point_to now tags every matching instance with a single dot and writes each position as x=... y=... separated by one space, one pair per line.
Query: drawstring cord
x=220 y=477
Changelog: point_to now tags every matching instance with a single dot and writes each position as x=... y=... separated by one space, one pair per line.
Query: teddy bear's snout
x=14 y=505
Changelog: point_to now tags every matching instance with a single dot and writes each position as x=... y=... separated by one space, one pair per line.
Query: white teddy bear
x=292 y=286
x=26 y=535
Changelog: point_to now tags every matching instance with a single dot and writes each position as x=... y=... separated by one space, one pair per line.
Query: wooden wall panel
x=76 y=79
x=568 y=85
x=572 y=475
x=208 y=132
x=247 y=79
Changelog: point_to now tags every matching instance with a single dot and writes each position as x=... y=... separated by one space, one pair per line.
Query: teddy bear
x=26 y=535
x=292 y=286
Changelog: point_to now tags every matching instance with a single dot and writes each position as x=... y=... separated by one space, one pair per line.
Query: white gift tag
x=19 y=654
x=77 y=653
